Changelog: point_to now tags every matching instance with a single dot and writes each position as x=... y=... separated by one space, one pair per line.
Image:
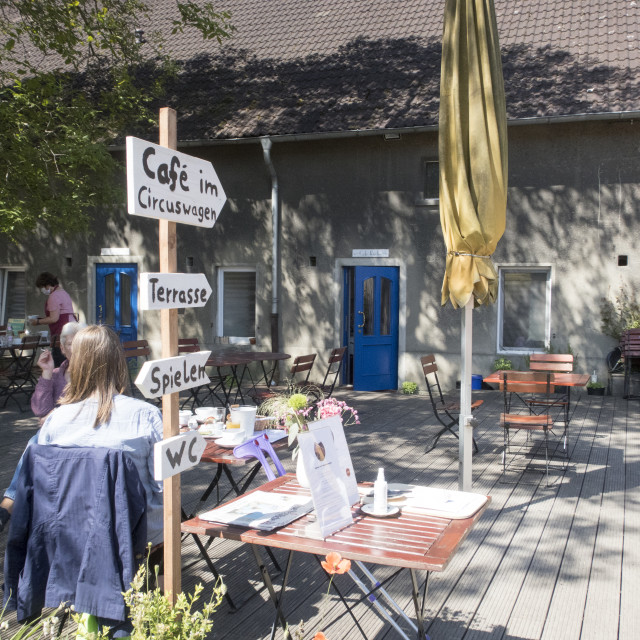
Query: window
x=13 y=294
x=237 y=304
x=431 y=177
x=524 y=309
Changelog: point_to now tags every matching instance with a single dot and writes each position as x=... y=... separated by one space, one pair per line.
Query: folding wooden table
x=408 y=542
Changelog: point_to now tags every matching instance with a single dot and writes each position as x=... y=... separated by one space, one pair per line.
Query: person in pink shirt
x=58 y=310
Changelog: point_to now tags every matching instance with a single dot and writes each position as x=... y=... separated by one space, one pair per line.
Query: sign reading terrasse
x=173 y=290
x=163 y=183
x=172 y=375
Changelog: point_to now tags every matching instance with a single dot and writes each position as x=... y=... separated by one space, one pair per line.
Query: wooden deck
x=552 y=563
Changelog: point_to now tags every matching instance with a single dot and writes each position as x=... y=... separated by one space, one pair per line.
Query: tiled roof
x=313 y=66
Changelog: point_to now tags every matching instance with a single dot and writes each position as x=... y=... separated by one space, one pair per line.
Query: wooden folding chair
x=334 y=367
x=300 y=366
x=552 y=363
x=446 y=411
x=134 y=350
x=630 y=346
x=518 y=416
x=18 y=377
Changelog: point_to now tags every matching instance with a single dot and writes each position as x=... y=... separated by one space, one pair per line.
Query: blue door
x=375 y=361
x=117 y=298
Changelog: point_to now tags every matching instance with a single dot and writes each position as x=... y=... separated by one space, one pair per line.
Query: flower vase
x=301 y=473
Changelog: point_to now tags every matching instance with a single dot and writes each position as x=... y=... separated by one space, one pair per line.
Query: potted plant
x=502 y=364
x=595 y=389
x=299 y=406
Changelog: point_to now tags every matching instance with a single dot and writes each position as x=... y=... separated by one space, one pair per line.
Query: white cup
x=246 y=416
x=183 y=418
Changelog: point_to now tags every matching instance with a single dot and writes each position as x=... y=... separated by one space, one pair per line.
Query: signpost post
x=172 y=187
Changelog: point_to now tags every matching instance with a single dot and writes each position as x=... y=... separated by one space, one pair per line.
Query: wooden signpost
x=172 y=187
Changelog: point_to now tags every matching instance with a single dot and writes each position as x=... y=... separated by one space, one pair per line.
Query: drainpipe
x=266 y=150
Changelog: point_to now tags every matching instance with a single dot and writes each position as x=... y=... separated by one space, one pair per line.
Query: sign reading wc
x=172 y=375
x=163 y=183
x=173 y=290
x=177 y=454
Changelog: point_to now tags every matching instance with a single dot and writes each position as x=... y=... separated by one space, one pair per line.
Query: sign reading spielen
x=172 y=375
x=169 y=185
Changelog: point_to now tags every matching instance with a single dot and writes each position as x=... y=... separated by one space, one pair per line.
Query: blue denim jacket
x=78 y=531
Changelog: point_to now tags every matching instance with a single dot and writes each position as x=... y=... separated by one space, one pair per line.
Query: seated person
x=93 y=412
x=48 y=390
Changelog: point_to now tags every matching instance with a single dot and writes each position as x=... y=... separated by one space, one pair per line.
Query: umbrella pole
x=465 y=430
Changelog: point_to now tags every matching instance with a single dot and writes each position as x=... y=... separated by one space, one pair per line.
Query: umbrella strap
x=472 y=255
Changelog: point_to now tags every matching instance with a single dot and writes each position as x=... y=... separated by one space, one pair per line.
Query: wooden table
x=408 y=542
x=567 y=380
x=237 y=363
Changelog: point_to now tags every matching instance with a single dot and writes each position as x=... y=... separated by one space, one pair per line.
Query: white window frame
x=528 y=268
x=220 y=305
x=3 y=290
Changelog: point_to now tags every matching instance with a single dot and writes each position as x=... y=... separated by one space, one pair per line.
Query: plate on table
x=227 y=442
x=368 y=509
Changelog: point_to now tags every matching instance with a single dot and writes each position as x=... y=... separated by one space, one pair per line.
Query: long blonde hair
x=97 y=368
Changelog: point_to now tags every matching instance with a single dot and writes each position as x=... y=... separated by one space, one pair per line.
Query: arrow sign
x=177 y=454
x=172 y=375
x=173 y=290
x=163 y=183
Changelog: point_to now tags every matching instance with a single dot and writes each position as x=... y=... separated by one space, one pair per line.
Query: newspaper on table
x=261 y=510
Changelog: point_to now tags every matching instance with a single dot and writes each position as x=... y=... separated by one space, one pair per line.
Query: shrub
x=409 y=388
x=619 y=314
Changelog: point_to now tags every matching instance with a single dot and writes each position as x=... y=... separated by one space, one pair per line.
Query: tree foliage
x=74 y=76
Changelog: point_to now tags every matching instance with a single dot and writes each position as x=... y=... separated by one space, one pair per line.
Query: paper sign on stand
x=330 y=499
x=344 y=467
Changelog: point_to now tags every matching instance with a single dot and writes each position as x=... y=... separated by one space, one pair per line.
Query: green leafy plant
x=409 y=388
x=502 y=364
x=153 y=617
x=300 y=405
x=595 y=385
x=620 y=314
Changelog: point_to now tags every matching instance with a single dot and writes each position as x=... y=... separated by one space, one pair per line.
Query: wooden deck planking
x=564 y=619
x=602 y=609
x=539 y=562
x=528 y=615
x=630 y=582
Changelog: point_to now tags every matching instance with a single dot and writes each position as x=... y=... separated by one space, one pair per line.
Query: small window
x=431 y=176
x=13 y=294
x=524 y=309
x=237 y=304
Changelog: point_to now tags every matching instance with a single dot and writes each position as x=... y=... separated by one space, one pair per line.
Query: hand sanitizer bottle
x=380 y=493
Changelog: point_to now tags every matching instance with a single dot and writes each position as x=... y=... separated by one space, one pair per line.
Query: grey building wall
x=572 y=204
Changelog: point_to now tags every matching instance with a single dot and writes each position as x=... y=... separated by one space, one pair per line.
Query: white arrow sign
x=173 y=290
x=167 y=184
x=177 y=454
x=172 y=375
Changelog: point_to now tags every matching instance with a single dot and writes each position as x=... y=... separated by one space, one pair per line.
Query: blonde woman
x=93 y=412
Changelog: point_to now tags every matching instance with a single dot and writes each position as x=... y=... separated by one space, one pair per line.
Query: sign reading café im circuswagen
x=165 y=184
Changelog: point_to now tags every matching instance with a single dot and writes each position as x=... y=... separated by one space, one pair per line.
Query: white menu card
x=330 y=499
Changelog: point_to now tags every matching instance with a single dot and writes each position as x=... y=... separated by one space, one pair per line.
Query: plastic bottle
x=594 y=377
x=380 y=493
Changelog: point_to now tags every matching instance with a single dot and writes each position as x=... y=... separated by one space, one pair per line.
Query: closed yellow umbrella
x=473 y=177
x=472 y=150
